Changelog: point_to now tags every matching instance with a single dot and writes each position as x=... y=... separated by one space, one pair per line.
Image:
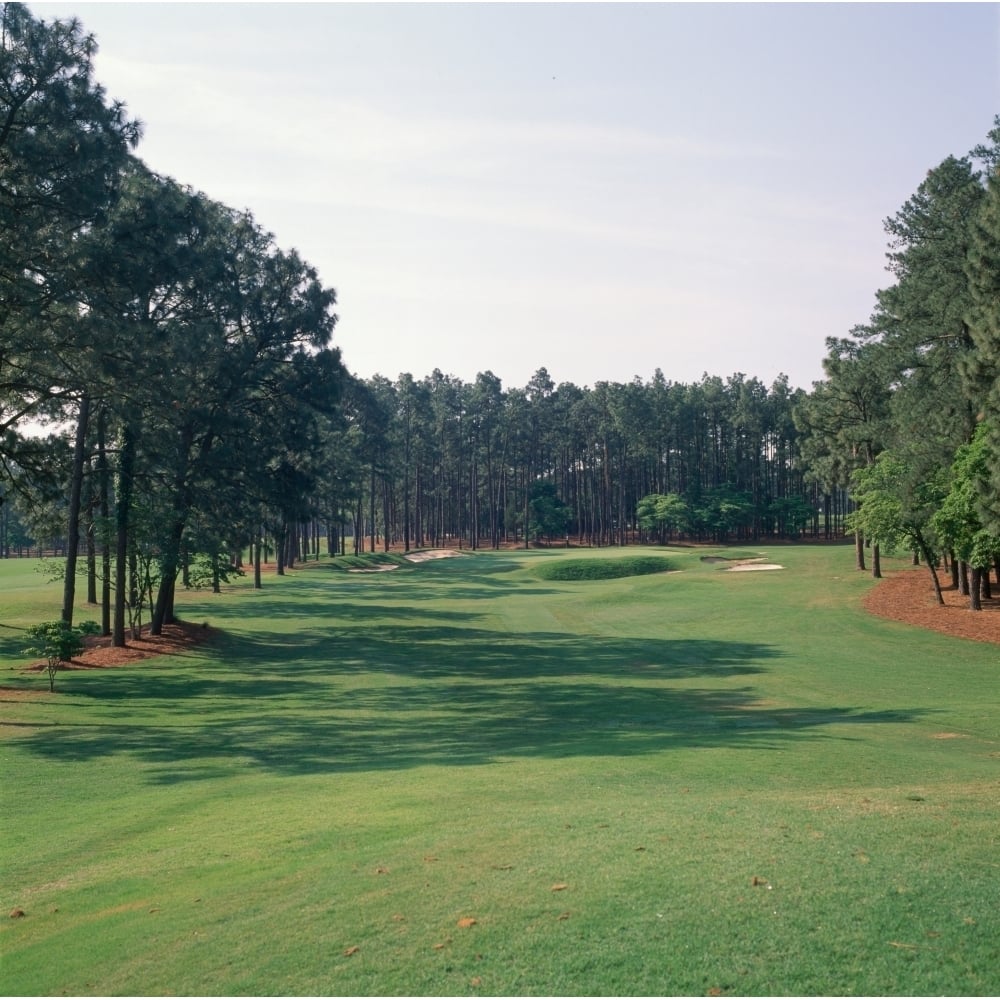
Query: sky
x=598 y=189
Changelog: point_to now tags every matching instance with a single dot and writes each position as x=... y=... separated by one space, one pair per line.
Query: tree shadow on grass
x=345 y=699
x=13 y=639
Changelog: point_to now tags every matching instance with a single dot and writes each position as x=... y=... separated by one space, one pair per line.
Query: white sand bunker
x=412 y=557
x=418 y=557
x=748 y=565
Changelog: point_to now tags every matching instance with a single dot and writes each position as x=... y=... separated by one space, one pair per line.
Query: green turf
x=681 y=783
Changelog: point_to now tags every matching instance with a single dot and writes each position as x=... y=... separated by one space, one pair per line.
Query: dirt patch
x=908 y=596
x=375 y=569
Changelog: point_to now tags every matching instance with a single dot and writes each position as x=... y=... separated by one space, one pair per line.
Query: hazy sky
x=600 y=189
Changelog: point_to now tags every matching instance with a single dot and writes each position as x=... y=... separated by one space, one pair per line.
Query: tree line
x=442 y=461
x=908 y=415
x=170 y=398
x=188 y=353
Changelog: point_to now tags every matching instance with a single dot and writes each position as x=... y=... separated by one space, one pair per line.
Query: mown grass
x=687 y=783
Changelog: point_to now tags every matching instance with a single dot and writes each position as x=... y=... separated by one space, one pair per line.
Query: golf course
x=547 y=772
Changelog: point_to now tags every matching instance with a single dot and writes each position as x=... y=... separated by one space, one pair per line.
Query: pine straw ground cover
x=908 y=596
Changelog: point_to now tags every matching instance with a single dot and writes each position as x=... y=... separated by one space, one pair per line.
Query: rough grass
x=467 y=780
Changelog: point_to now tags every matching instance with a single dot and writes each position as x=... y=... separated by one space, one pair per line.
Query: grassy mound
x=604 y=569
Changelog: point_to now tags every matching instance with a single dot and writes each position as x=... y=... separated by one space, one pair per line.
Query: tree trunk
x=371 y=510
x=859 y=550
x=359 y=541
x=406 y=493
x=91 y=534
x=104 y=489
x=91 y=562
x=126 y=471
x=136 y=592
x=876 y=561
x=280 y=549
x=386 y=514
x=926 y=553
x=975 y=588
x=75 y=493
x=163 y=613
x=527 y=510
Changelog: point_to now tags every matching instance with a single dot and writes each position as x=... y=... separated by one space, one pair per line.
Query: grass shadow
x=417 y=695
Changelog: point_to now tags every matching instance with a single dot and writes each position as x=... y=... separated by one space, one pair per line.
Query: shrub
x=57 y=642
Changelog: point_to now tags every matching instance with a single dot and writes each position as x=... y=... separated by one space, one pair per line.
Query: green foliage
x=719 y=512
x=983 y=368
x=879 y=516
x=663 y=514
x=61 y=149
x=959 y=519
x=209 y=570
x=919 y=376
x=845 y=420
x=792 y=514
x=548 y=514
x=58 y=643
x=603 y=569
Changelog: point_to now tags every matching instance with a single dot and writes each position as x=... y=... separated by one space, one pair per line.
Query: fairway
x=468 y=776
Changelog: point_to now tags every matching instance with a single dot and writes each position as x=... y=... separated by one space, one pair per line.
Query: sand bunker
x=418 y=557
x=741 y=565
x=752 y=564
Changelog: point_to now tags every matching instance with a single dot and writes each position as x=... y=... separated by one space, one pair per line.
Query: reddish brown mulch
x=908 y=596
x=100 y=654
x=176 y=638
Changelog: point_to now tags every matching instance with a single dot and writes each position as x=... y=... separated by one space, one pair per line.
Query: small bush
x=603 y=569
x=57 y=642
